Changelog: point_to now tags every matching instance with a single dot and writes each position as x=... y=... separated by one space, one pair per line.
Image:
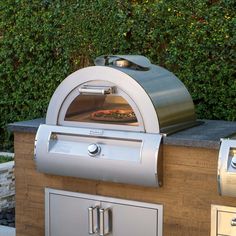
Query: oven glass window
x=112 y=109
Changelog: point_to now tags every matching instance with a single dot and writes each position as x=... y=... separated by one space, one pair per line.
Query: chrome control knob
x=233 y=162
x=93 y=149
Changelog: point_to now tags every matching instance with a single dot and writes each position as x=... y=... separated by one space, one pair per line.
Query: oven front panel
x=125 y=157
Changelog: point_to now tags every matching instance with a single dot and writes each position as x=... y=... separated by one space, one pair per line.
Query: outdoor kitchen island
x=190 y=159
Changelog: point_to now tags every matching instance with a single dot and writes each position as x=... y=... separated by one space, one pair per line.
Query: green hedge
x=4 y=159
x=41 y=42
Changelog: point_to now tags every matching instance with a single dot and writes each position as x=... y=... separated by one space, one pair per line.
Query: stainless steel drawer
x=223 y=221
x=227 y=223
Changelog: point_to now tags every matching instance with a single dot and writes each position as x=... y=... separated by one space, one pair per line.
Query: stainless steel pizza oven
x=106 y=122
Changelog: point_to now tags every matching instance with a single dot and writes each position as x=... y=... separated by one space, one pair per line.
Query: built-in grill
x=227 y=167
x=106 y=122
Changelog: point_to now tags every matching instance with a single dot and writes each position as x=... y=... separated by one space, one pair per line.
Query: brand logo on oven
x=96 y=132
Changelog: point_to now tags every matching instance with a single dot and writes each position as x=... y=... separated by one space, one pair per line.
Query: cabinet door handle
x=233 y=222
x=105 y=221
x=92 y=220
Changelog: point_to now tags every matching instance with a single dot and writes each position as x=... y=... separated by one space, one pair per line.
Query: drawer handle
x=233 y=222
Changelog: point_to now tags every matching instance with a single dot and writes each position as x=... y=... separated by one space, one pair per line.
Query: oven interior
x=100 y=103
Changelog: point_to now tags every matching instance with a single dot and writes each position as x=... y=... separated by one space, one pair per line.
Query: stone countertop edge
x=28 y=126
x=206 y=135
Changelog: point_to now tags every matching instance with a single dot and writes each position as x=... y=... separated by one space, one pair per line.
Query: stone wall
x=7 y=186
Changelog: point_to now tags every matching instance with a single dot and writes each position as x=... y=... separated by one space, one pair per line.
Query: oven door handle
x=96 y=90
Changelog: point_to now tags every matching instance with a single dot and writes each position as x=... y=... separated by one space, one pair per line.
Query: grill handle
x=96 y=90
x=104 y=221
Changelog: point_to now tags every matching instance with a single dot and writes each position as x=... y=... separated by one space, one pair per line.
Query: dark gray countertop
x=207 y=135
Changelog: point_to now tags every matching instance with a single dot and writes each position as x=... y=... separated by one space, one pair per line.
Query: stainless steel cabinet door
x=128 y=220
x=68 y=216
x=77 y=214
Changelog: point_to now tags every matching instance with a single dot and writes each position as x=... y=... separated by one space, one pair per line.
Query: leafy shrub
x=4 y=159
x=41 y=42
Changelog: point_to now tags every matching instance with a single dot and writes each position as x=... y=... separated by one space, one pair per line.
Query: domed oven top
x=122 y=93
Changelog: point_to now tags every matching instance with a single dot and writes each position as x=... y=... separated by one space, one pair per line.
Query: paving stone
x=7 y=217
